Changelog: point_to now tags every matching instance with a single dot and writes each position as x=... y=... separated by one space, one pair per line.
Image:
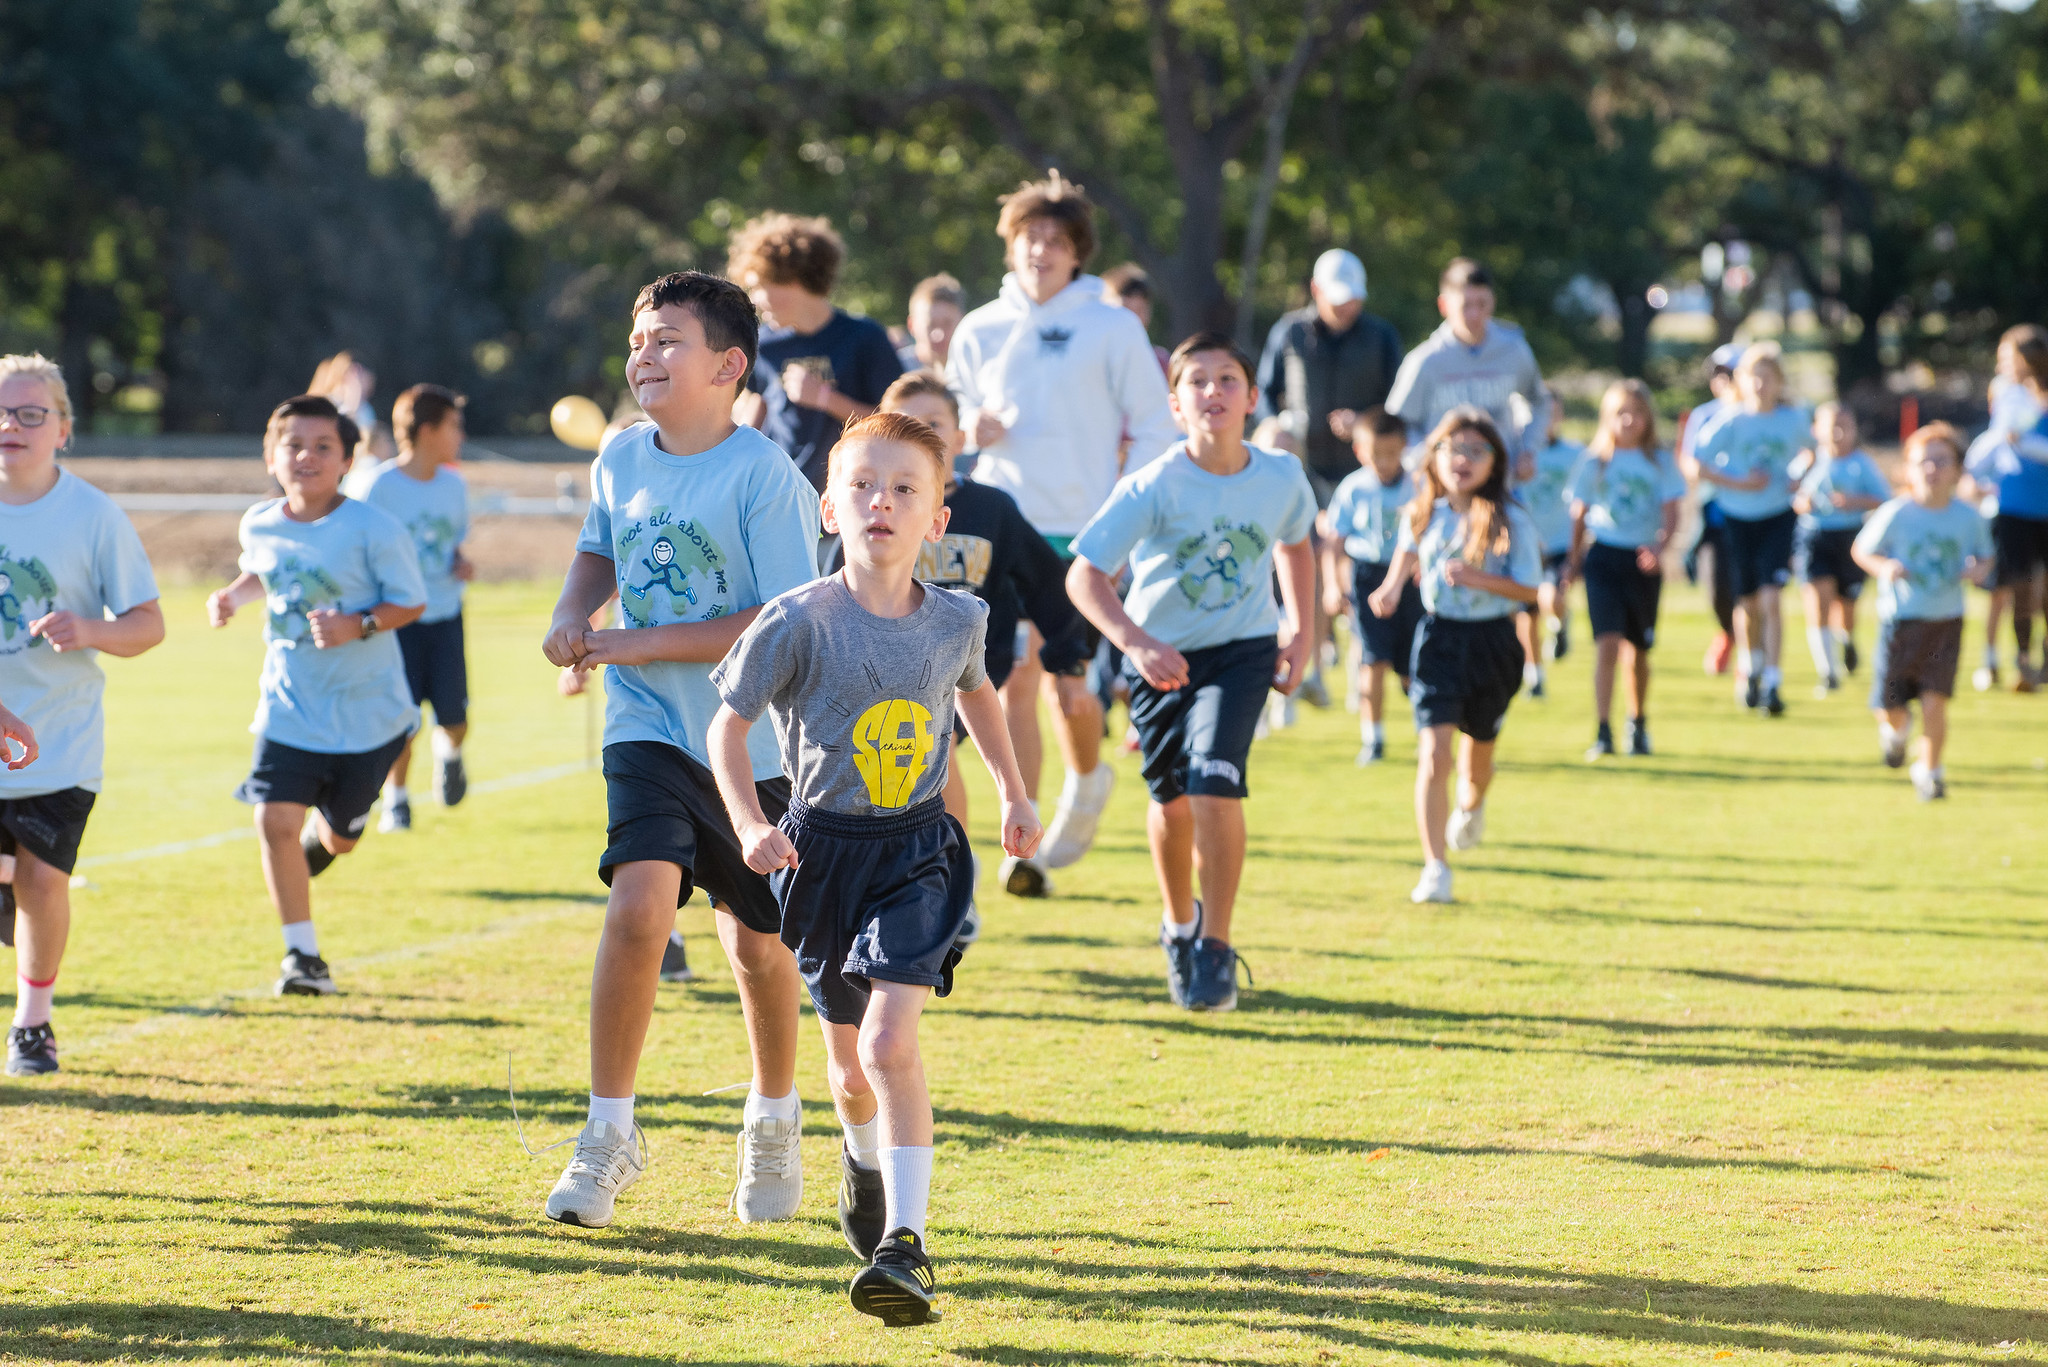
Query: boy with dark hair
x=936 y=307
x=862 y=672
x=1476 y=359
x=1838 y=486
x=818 y=366
x=338 y=579
x=74 y=583
x=1364 y=521
x=430 y=499
x=694 y=523
x=1204 y=529
x=1722 y=403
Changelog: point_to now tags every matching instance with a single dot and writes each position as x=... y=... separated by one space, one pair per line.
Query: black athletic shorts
x=1464 y=674
x=342 y=787
x=1620 y=598
x=1824 y=554
x=663 y=807
x=873 y=897
x=2021 y=545
x=436 y=669
x=1384 y=640
x=1915 y=657
x=1197 y=738
x=47 y=825
x=1760 y=552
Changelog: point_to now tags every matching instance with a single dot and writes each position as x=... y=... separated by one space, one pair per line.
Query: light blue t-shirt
x=1624 y=496
x=692 y=538
x=436 y=513
x=1367 y=513
x=1444 y=539
x=1200 y=546
x=71 y=550
x=1934 y=544
x=1748 y=442
x=1698 y=424
x=1856 y=475
x=1544 y=494
x=347 y=698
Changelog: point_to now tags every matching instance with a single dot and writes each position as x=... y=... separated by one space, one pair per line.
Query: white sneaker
x=606 y=1163
x=1466 y=829
x=1280 y=711
x=1072 y=831
x=1927 y=784
x=1434 y=885
x=1985 y=678
x=771 y=1170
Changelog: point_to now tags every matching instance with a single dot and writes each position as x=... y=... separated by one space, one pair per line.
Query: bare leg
x=1606 y=650
x=1433 y=764
x=2001 y=602
x=1639 y=678
x=770 y=987
x=401 y=768
x=42 y=923
x=1475 y=772
x=1020 y=709
x=1529 y=633
x=637 y=919
x=1077 y=716
x=852 y=1094
x=1170 y=830
x=1933 y=728
x=1373 y=693
x=278 y=825
x=1219 y=842
x=1772 y=627
x=890 y=1058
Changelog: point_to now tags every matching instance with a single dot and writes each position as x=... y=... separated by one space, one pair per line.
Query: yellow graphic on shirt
x=892 y=743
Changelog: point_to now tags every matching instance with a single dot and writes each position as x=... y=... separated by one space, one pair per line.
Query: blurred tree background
x=202 y=198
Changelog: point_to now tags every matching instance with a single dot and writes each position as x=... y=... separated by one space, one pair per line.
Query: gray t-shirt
x=863 y=705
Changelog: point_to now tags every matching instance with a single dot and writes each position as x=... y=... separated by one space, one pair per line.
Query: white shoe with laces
x=1072 y=829
x=1466 y=829
x=1434 y=885
x=607 y=1161
x=771 y=1169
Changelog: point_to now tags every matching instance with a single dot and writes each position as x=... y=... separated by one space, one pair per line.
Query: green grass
x=1736 y=1054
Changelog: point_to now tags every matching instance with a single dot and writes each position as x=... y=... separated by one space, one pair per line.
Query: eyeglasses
x=1465 y=448
x=28 y=414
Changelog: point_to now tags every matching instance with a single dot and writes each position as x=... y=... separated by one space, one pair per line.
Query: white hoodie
x=1067 y=378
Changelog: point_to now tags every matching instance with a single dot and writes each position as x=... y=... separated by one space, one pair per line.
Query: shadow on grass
x=2023 y=928
x=594 y=899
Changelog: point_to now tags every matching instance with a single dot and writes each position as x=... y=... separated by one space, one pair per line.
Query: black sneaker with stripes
x=897 y=1287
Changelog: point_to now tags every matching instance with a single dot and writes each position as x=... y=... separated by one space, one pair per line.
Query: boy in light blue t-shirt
x=1543 y=477
x=1920 y=549
x=430 y=498
x=337 y=579
x=1836 y=486
x=1204 y=528
x=1364 y=516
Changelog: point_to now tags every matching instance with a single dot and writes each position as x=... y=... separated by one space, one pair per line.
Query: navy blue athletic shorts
x=1915 y=657
x=663 y=807
x=2021 y=549
x=436 y=668
x=1760 y=551
x=342 y=787
x=1620 y=598
x=1464 y=674
x=47 y=825
x=1384 y=640
x=873 y=897
x=1197 y=738
x=1824 y=554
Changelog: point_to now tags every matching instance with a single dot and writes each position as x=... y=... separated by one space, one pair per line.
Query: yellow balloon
x=578 y=422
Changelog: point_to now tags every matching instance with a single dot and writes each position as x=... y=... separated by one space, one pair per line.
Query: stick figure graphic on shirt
x=1217 y=560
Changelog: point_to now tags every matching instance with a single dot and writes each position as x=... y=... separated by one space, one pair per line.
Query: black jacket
x=1307 y=372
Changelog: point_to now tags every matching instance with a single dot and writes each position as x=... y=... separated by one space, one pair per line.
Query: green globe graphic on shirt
x=670 y=572
x=28 y=591
x=292 y=590
x=433 y=536
x=1214 y=565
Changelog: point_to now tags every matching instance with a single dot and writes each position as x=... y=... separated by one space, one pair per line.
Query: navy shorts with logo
x=663 y=807
x=341 y=787
x=436 y=668
x=1760 y=551
x=1620 y=598
x=1824 y=553
x=47 y=825
x=1465 y=674
x=2021 y=549
x=1384 y=640
x=873 y=897
x=1196 y=738
x=1915 y=657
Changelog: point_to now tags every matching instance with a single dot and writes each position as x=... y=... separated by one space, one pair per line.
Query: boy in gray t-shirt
x=861 y=673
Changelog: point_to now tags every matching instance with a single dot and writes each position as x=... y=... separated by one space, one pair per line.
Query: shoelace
x=771 y=1156
x=605 y=1163
x=1248 y=982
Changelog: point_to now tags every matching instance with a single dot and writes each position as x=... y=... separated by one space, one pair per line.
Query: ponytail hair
x=1487 y=514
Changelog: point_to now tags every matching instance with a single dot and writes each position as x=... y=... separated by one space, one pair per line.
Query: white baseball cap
x=1339 y=276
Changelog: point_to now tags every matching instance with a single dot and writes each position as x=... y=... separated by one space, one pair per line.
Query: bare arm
x=1650 y=559
x=1755 y=479
x=1880 y=567
x=221 y=603
x=331 y=628
x=1387 y=596
x=127 y=636
x=686 y=642
x=765 y=846
x=1576 y=557
x=1094 y=594
x=982 y=710
x=13 y=728
x=589 y=585
x=1461 y=573
x=1295 y=562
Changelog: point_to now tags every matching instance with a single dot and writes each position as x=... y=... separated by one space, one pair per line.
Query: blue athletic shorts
x=1197 y=738
x=342 y=787
x=436 y=669
x=1620 y=598
x=664 y=807
x=1823 y=553
x=1384 y=640
x=1760 y=551
x=1465 y=674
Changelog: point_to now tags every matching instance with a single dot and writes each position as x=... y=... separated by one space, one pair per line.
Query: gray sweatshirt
x=1443 y=372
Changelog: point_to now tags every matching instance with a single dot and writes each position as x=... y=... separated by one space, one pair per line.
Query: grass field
x=1737 y=1054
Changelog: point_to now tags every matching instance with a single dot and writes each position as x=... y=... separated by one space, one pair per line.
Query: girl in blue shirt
x=1479 y=560
x=1837 y=486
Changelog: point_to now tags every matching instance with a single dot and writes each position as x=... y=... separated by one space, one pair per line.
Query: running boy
x=1838 y=485
x=1746 y=458
x=1625 y=498
x=338 y=578
x=693 y=523
x=1920 y=548
x=430 y=499
x=1543 y=474
x=68 y=558
x=1473 y=358
x=1476 y=553
x=1203 y=528
x=1365 y=515
x=862 y=672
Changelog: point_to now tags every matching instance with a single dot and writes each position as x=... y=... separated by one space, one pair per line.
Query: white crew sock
x=1379 y=732
x=1840 y=635
x=1532 y=674
x=394 y=793
x=906 y=1189
x=1436 y=866
x=1179 y=930
x=445 y=748
x=1745 y=664
x=299 y=937
x=32 y=1003
x=864 y=1141
x=613 y=1110
x=1772 y=677
x=1821 y=642
x=783 y=1108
